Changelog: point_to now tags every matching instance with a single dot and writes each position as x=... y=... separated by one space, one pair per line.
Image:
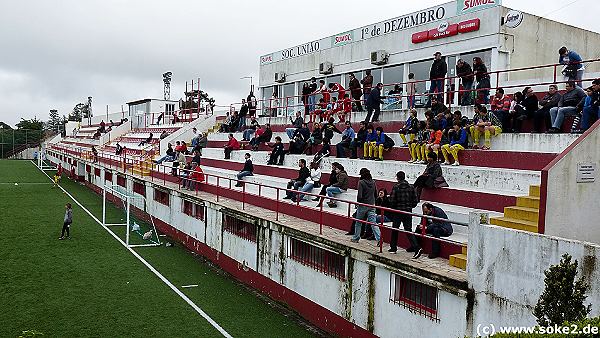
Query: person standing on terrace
x=367 y=83
x=403 y=198
x=354 y=86
x=251 y=100
x=243 y=113
x=464 y=71
x=312 y=98
x=437 y=73
x=367 y=193
x=374 y=102
x=574 y=69
x=483 y=81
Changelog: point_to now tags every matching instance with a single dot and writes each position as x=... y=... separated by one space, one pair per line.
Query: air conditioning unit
x=326 y=67
x=379 y=57
x=280 y=77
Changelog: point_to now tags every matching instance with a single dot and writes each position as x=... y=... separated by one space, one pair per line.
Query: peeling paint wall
x=362 y=298
x=506 y=267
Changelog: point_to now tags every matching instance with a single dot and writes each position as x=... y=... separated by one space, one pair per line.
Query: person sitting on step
x=410 y=127
x=431 y=176
x=458 y=141
x=484 y=123
x=417 y=155
x=436 y=228
x=340 y=186
x=277 y=155
x=248 y=170
x=303 y=175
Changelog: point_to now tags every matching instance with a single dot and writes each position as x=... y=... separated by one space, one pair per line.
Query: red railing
x=268 y=104
x=165 y=173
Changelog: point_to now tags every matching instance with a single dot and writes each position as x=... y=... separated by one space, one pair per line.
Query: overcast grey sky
x=57 y=53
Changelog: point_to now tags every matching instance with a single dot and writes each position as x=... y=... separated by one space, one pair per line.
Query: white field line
x=158 y=274
x=26 y=183
x=189 y=286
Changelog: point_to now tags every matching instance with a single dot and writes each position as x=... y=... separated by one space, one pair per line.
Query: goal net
x=117 y=211
x=42 y=162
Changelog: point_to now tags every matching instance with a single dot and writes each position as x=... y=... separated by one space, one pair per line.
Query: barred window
x=121 y=181
x=415 y=296
x=97 y=172
x=328 y=262
x=193 y=209
x=161 y=197
x=139 y=188
x=88 y=168
x=108 y=176
x=240 y=228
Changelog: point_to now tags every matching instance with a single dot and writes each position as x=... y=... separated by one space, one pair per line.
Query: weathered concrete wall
x=572 y=208
x=506 y=267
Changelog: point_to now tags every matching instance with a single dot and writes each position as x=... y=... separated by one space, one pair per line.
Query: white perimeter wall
x=348 y=298
x=506 y=267
x=573 y=209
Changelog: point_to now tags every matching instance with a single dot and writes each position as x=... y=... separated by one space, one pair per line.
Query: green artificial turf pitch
x=91 y=285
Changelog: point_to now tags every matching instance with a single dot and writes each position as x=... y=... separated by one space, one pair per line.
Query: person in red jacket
x=346 y=108
x=196 y=177
x=231 y=145
x=336 y=87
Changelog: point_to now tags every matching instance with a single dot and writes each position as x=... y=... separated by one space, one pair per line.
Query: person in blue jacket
x=458 y=141
x=373 y=147
x=573 y=67
x=374 y=102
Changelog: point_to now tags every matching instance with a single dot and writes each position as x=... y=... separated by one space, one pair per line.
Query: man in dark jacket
x=435 y=228
x=464 y=71
x=243 y=113
x=403 y=198
x=355 y=91
x=367 y=83
x=550 y=100
x=437 y=73
x=248 y=170
x=374 y=102
x=359 y=140
x=431 y=173
x=367 y=193
x=298 y=182
x=277 y=155
x=567 y=106
x=296 y=124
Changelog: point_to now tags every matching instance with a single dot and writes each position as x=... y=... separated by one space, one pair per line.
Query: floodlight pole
x=127 y=227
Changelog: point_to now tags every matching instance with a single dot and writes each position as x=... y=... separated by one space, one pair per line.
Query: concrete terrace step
x=467 y=177
x=458 y=260
x=514 y=223
x=512 y=142
x=469 y=157
x=455 y=213
x=473 y=198
x=528 y=202
x=523 y=213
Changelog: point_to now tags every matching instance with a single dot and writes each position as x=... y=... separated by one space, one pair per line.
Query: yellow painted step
x=459 y=261
x=522 y=213
x=528 y=202
x=464 y=249
x=534 y=190
x=514 y=223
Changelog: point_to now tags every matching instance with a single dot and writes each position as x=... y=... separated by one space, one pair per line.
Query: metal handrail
x=121 y=163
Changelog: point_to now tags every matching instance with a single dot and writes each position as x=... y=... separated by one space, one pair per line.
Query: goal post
x=138 y=233
x=42 y=161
